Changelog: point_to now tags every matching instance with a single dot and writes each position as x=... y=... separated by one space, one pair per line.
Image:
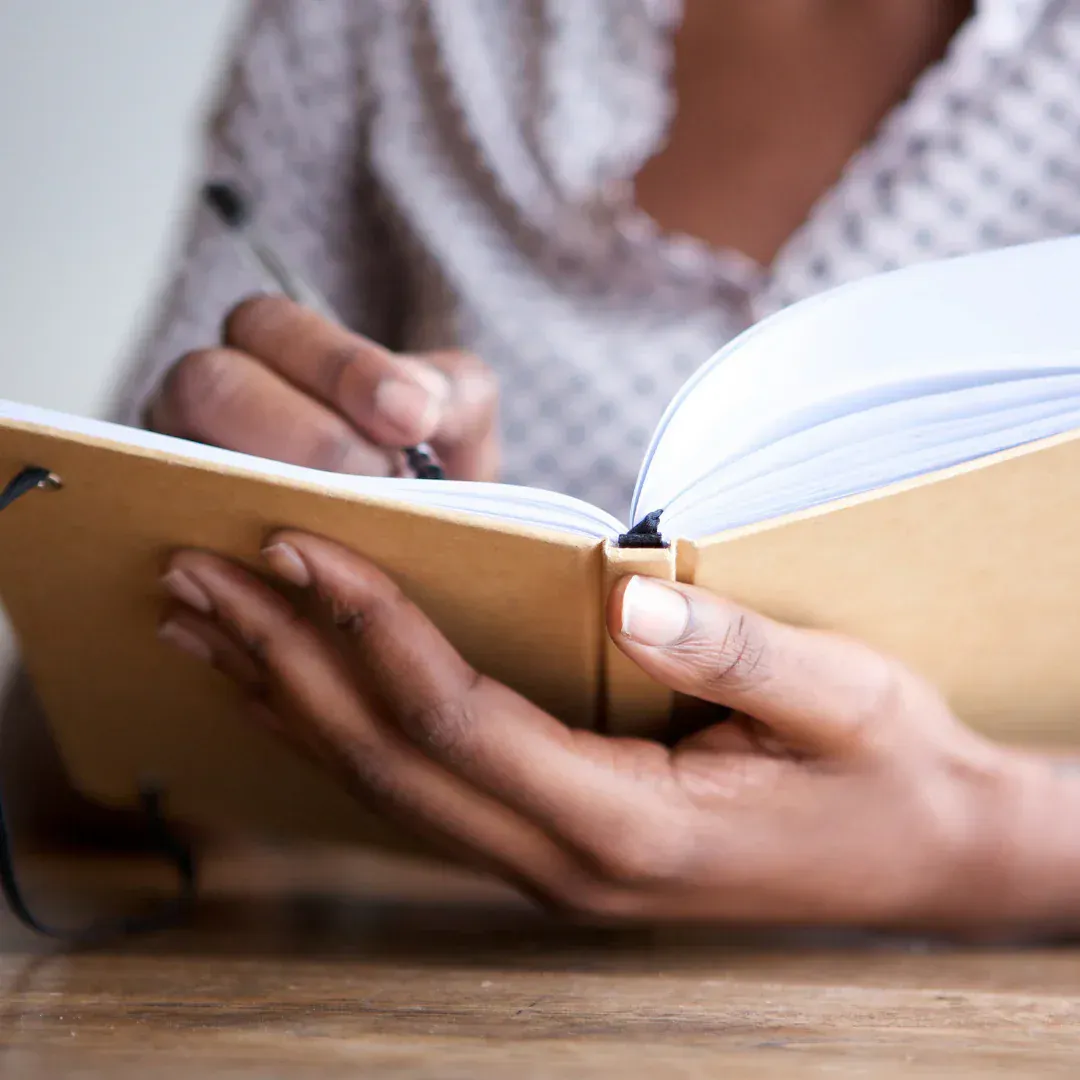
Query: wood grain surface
x=331 y=964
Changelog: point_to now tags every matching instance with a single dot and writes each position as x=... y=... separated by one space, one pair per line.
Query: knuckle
x=254 y=316
x=196 y=387
x=274 y=640
x=358 y=615
x=385 y=600
x=375 y=776
x=738 y=660
x=347 y=617
x=333 y=368
x=446 y=726
x=883 y=692
x=267 y=645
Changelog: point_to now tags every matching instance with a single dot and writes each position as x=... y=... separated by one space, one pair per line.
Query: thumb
x=466 y=437
x=819 y=692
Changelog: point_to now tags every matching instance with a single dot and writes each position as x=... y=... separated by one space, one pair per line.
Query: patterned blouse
x=457 y=173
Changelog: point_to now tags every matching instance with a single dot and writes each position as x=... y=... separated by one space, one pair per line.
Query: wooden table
x=335 y=965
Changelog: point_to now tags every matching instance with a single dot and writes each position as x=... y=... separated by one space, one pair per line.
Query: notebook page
x=874 y=449
x=813 y=432
x=533 y=507
x=775 y=505
x=878 y=340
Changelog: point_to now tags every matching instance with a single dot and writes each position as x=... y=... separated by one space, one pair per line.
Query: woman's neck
x=930 y=23
x=774 y=97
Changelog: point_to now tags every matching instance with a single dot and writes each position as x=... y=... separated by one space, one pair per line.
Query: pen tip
x=227 y=203
x=423 y=463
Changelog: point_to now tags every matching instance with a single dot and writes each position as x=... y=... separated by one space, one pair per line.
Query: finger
x=209 y=642
x=202 y=639
x=392 y=404
x=228 y=399
x=819 y=692
x=317 y=706
x=591 y=792
x=467 y=436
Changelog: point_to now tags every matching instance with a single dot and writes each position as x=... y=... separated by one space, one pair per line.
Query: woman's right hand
x=290 y=385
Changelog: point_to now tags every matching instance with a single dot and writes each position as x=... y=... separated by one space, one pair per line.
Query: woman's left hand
x=841 y=791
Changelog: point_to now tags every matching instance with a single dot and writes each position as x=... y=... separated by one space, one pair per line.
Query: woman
x=575 y=204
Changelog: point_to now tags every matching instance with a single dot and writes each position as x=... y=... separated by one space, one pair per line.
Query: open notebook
x=895 y=459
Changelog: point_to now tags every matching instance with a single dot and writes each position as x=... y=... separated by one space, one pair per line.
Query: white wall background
x=101 y=106
x=101 y=102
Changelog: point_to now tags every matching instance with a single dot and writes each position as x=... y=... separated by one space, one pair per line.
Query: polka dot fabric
x=455 y=173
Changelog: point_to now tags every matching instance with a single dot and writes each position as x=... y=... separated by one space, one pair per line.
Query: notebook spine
x=632 y=702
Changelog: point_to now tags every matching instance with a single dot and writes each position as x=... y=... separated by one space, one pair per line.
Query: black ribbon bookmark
x=158 y=832
x=645 y=534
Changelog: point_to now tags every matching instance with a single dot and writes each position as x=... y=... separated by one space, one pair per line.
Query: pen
x=231 y=207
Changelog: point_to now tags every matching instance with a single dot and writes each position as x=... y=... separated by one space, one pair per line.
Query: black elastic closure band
x=24 y=482
x=162 y=839
x=161 y=917
x=645 y=534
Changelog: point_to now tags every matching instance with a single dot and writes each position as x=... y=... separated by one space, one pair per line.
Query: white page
x=870 y=450
x=849 y=436
x=863 y=344
x=533 y=507
x=810 y=433
x=868 y=477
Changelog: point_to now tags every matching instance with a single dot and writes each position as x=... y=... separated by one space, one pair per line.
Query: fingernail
x=286 y=562
x=188 y=591
x=408 y=406
x=653 y=614
x=180 y=637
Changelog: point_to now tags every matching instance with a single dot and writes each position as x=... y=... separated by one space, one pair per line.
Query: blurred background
x=104 y=101
x=86 y=224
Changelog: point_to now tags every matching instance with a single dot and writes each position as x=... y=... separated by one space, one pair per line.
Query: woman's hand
x=841 y=791
x=289 y=385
